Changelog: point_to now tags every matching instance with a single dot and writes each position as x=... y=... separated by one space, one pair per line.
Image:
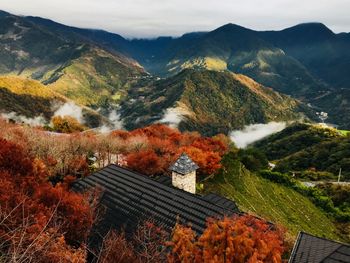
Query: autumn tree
x=159 y=146
x=37 y=218
x=232 y=239
x=150 y=150
x=183 y=245
x=146 y=245
x=66 y=124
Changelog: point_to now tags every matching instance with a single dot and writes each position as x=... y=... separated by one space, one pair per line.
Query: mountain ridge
x=192 y=99
x=97 y=68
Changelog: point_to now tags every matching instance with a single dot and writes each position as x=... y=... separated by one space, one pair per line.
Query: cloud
x=255 y=132
x=70 y=109
x=150 y=18
x=116 y=123
x=36 y=121
x=172 y=117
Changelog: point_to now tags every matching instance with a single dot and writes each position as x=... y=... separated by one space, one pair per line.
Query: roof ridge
x=295 y=247
x=151 y=179
x=326 y=239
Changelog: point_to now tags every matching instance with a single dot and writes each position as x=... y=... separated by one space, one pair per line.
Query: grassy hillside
x=30 y=98
x=209 y=101
x=271 y=201
x=23 y=86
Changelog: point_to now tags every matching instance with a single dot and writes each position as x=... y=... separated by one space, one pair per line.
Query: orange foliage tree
x=232 y=239
x=154 y=148
x=37 y=219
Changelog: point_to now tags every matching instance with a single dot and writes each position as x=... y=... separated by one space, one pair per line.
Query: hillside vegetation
x=307 y=147
x=96 y=78
x=30 y=98
x=27 y=97
x=209 y=101
x=337 y=105
x=273 y=201
x=67 y=62
x=293 y=139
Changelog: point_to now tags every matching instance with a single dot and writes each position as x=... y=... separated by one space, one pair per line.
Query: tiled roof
x=184 y=165
x=132 y=197
x=311 y=249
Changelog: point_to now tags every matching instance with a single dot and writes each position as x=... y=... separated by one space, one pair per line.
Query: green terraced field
x=273 y=202
x=344 y=132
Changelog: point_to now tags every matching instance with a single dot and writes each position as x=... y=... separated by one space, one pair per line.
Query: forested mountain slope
x=208 y=101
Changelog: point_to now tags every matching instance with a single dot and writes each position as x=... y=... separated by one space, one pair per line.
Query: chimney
x=184 y=174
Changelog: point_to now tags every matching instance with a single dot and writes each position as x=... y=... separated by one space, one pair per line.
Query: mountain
x=237 y=49
x=63 y=59
x=100 y=69
x=208 y=101
x=316 y=56
x=323 y=52
x=307 y=61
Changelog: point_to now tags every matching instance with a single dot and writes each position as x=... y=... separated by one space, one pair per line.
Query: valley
x=105 y=72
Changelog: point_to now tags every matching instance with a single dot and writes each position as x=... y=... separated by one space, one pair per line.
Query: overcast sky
x=150 y=18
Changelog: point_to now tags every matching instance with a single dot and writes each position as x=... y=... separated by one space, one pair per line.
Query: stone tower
x=184 y=174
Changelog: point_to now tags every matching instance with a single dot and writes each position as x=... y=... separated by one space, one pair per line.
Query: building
x=311 y=249
x=130 y=198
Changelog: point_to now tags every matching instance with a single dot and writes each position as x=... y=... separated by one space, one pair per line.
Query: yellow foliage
x=20 y=85
x=66 y=124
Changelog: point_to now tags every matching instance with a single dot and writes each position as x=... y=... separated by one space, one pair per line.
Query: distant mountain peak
x=231 y=27
x=313 y=29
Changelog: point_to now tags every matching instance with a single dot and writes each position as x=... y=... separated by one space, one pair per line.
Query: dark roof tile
x=131 y=197
x=311 y=249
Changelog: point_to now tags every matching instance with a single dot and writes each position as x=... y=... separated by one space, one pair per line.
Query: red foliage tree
x=146 y=161
x=164 y=145
x=35 y=213
x=13 y=159
x=208 y=161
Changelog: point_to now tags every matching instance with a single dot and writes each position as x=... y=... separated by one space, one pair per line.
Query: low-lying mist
x=172 y=117
x=35 y=121
x=72 y=110
x=116 y=123
x=255 y=132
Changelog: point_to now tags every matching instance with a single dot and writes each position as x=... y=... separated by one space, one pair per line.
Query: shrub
x=253 y=159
